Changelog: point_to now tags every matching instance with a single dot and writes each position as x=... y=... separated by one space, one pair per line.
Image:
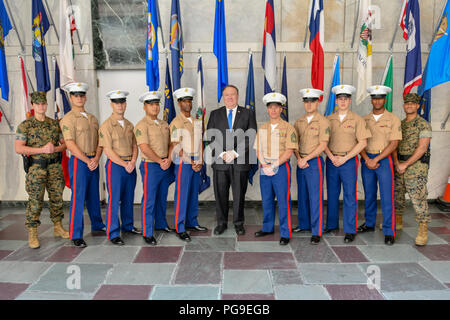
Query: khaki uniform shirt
x=311 y=134
x=119 y=139
x=386 y=129
x=346 y=134
x=273 y=143
x=188 y=134
x=157 y=136
x=83 y=131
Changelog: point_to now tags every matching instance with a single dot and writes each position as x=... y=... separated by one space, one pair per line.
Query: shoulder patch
x=293 y=137
x=138 y=133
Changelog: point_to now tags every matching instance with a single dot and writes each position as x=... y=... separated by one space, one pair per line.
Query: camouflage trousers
x=37 y=180
x=413 y=182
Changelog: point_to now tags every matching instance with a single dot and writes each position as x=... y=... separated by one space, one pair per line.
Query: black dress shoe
x=135 y=231
x=389 y=240
x=315 y=240
x=349 y=237
x=118 y=241
x=298 y=229
x=261 y=233
x=150 y=240
x=166 y=229
x=329 y=230
x=197 y=228
x=79 y=243
x=220 y=229
x=284 y=241
x=239 y=230
x=364 y=228
x=184 y=236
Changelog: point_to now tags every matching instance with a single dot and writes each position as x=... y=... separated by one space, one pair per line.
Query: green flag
x=388 y=81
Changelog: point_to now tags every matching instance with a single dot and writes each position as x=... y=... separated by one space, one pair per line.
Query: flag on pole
x=269 y=63
x=413 y=66
x=152 y=55
x=60 y=98
x=388 y=81
x=316 y=28
x=169 y=108
x=28 y=111
x=66 y=51
x=402 y=19
x=176 y=44
x=205 y=181
x=40 y=26
x=437 y=69
x=364 y=63
x=284 y=91
x=220 y=47
x=331 y=104
x=425 y=105
x=250 y=104
x=5 y=25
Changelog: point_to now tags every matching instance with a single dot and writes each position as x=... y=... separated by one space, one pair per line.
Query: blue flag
x=169 y=108
x=5 y=25
x=331 y=104
x=152 y=56
x=40 y=27
x=413 y=65
x=425 y=105
x=284 y=91
x=250 y=104
x=176 y=44
x=437 y=69
x=220 y=47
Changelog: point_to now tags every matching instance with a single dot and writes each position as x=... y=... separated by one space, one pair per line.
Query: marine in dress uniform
x=116 y=137
x=40 y=139
x=275 y=142
x=313 y=132
x=412 y=161
x=80 y=131
x=153 y=139
x=186 y=145
x=377 y=165
x=348 y=137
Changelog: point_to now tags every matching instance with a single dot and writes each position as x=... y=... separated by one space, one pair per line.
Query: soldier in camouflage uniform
x=411 y=161
x=40 y=138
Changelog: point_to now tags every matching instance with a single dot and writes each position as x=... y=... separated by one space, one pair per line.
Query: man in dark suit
x=235 y=131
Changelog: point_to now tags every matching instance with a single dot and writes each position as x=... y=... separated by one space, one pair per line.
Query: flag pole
x=159 y=23
x=52 y=23
x=356 y=23
x=6 y=118
x=14 y=25
x=78 y=33
x=26 y=71
x=439 y=23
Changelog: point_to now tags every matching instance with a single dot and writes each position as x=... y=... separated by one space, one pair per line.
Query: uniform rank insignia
x=138 y=133
x=101 y=135
x=293 y=137
x=65 y=128
x=327 y=130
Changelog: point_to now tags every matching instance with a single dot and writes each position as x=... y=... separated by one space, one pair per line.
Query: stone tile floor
x=227 y=267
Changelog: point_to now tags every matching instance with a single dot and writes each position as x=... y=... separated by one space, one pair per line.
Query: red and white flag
x=402 y=20
x=67 y=26
x=316 y=41
x=28 y=111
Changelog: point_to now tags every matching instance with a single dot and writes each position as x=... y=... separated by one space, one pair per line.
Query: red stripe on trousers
x=74 y=196
x=392 y=196
x=356 y=191
x=320 y=196
x=178 y=195
x=144 y=205
x=288 y=196
x=110 y=198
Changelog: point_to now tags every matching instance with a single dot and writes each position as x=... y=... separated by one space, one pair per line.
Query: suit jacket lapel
x=238 y=116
